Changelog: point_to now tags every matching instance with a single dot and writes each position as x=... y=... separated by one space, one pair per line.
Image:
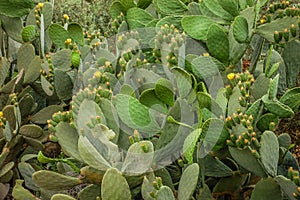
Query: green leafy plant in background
x=93 y=16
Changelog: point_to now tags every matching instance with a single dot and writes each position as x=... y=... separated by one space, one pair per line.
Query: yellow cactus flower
x=262 y=21
x=206 y=54
x=1 y=114
x=68 y=41
x=231 y=76
x=66 y=17
x=40 y=5
x=120 y=38
x=107 y=63
x=97 y=74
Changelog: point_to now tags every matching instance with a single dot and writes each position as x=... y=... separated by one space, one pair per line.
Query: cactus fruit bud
x=53 y=138
x=232 y=137
x=136 y=136
x=255 y=153
x=242 y=101
x=131 y=139
x=272 y=126
x=296 y=180
x=144 y=147
x=236 y=118
x=286 y=35
x=230 y=143
x=155 y=185
x=255 y=142
x=228 y=91
x=290 y=173
x=293 y=30
x=180 y=163
x=229 y=122
x=277 y=37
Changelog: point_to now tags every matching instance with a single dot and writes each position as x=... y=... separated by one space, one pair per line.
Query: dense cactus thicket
x=148 y=99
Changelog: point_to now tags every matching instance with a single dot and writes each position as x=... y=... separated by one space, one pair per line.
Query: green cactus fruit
x=277 y=37
x=188 y=182
x=75 y=59
x=286 y=35
x=240 y=29
x=58 y=181
x=114 y=179
x=20 y=193
x=293 y=30
x=267 y=188
x=29 y=33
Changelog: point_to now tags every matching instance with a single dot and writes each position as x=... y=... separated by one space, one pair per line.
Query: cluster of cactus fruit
x=141 y=115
